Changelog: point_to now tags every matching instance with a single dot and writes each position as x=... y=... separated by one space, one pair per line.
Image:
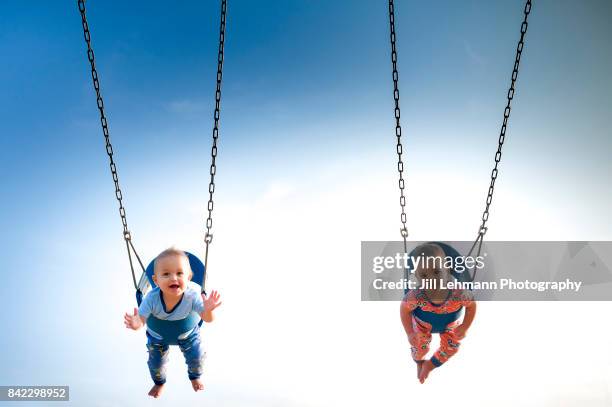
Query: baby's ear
x=190 y=276
x=155 y=279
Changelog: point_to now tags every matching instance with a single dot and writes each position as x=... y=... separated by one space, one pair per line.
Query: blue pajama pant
x=191 y=347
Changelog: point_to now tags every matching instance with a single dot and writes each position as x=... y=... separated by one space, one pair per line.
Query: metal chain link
x=215 y=134
x=502 y=135
x=398 y=130
x=398 y=127
x=109 y=147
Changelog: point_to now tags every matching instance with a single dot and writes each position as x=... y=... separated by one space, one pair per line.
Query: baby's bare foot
x=426 y=368
x=419 y=364
x=197 y=385
x=156 y=390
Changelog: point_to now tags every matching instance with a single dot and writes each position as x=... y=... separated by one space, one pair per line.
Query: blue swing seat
x=170 y=330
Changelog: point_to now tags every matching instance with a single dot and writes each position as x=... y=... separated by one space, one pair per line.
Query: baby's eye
x=180 y=273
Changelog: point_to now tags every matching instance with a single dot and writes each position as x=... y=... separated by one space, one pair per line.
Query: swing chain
x=215 y=134
x=482 y=230
x=127 y=236
x=398 y=127
x=502 y=135
x=103 y=121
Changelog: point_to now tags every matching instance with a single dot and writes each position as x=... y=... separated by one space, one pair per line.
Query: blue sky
x=298 y=75
x=306 y=129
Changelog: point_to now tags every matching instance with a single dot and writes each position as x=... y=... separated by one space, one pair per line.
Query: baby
x=174 y=298
x=436 y=309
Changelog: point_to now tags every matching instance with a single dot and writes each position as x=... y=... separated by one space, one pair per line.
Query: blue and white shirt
x=153 y=304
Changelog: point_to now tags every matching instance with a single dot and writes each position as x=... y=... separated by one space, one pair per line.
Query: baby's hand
x=133 y=321
x=212 y=301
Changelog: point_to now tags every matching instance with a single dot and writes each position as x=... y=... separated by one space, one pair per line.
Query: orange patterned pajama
x=428 y=318
x=449 y=344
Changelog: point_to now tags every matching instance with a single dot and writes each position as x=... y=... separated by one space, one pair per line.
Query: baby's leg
x=420 y=340
x=194 y=357
x=449 y=345
x=158 y=357
x=420 y=343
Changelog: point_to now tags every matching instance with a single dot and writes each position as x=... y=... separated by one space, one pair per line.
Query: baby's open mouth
x=174 y=286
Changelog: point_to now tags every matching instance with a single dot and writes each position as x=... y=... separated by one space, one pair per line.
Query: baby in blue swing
x=174 y=298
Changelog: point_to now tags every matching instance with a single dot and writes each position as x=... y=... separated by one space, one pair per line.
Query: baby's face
x=423 y=273
x=172 y=275
x=435 y=269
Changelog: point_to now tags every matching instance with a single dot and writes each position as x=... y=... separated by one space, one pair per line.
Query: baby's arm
x=134 y=321
x=210 y=303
